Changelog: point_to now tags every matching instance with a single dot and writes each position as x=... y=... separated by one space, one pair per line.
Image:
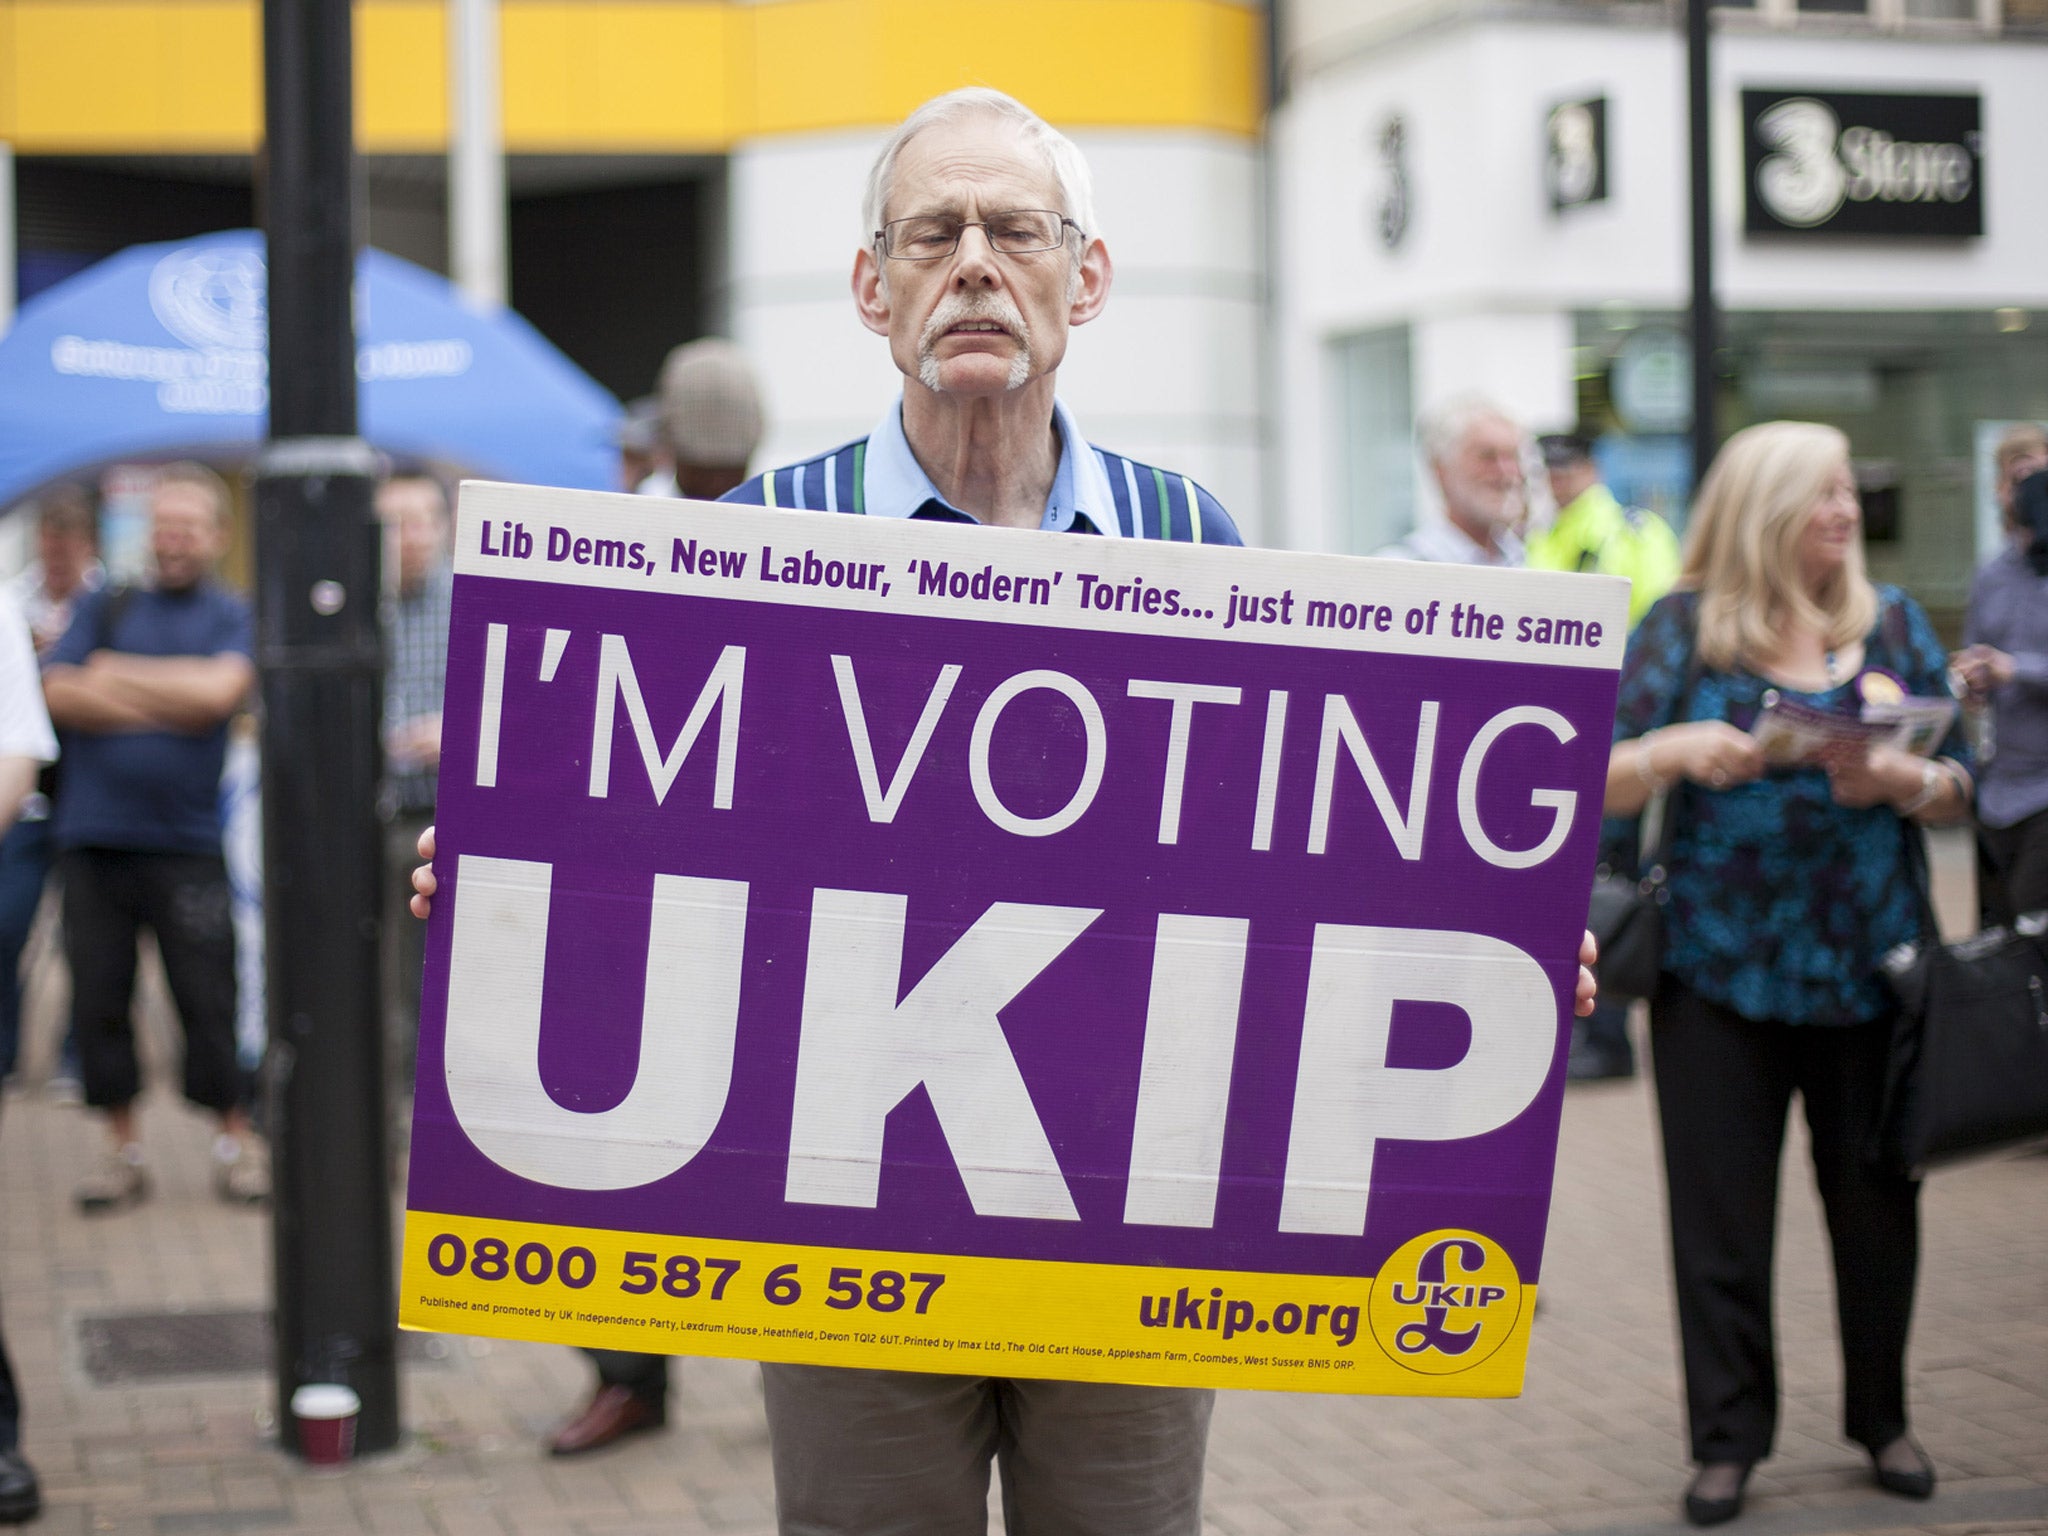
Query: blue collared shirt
x=1093 y=491
x=897 y=485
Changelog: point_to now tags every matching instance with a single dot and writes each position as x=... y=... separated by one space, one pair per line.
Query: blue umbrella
x=159 y=351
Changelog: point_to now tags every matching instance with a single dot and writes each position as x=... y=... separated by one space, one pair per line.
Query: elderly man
x=142 y=687
x=1474 y=452
x=981 y=252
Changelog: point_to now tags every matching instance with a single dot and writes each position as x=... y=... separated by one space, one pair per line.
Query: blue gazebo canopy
x=160 y=351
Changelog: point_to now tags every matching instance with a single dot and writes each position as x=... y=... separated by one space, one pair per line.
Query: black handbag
x=1969 y=1064
x=1627 y=913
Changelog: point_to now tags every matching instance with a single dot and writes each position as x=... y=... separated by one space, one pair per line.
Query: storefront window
x=1375 y=415
x=1920 y=395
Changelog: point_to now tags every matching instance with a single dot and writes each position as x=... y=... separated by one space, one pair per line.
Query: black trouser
x=10 y=1404
x=1724 y=1084
x=405 y=948
x=2012 y=868
x=646 y=1375
x=183 y=898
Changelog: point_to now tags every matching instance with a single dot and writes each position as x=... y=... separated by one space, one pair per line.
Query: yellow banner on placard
x=1446 y=1316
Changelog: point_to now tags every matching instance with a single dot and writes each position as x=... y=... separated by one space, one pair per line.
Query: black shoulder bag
x=1969 y=1064
x=1627 y=912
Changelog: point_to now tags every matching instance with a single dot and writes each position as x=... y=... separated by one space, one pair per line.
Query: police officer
x=1595 y=532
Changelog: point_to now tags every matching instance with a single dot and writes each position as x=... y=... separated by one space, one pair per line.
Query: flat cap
x=710 y=407
x=1562 y=448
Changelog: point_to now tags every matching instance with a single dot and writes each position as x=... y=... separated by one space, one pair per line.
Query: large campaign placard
x=912 y=945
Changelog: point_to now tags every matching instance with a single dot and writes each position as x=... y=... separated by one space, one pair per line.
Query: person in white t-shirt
x=26 y=744
x=1474 y=452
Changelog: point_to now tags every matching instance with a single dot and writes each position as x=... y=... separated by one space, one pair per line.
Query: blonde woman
x=1787 y=886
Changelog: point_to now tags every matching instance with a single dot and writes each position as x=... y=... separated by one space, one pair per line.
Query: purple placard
x=994 y=903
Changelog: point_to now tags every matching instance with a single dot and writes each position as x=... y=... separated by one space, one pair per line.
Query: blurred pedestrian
x=142 y=686
x=641 y=456
x=1595 y=532
x=1473 y=450
x=1786 y=889
x=2004 y=666
x=26 y=744
x=709 y=412
x=67 y=565
x=413 y=509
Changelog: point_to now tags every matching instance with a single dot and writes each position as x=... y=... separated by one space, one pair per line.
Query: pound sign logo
x=1445 y=1301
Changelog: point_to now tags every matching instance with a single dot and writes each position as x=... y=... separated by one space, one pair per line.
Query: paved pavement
x=1593 y=1446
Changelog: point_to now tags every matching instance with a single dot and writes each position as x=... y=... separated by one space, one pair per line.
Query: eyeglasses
x=1018 y=232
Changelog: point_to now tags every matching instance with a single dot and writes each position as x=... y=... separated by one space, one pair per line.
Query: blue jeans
x=25 y=856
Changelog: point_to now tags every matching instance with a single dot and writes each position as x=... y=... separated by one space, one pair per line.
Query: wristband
x=1645 y=770
x=1931 y=781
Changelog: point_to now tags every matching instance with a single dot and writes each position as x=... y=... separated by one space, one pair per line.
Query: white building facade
x=1419 y=252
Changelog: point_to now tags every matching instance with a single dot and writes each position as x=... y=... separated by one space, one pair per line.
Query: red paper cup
x=327 y=1422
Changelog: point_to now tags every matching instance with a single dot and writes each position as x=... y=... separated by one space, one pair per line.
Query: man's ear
x=1091 y=284
x=870 y=292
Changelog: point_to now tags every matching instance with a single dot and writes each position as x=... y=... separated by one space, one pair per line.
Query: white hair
x=1440 y=429
x=1070 y=176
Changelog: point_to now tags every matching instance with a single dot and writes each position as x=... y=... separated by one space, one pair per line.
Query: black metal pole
x=1705 y=331
x=318 y=656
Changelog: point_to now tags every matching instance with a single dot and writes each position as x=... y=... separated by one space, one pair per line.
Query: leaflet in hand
x=1793 y=733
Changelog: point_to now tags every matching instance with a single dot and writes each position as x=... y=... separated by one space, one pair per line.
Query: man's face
x=1571 y=480
x=2030 y=462
x=65 y=552
x=976 y=323
x=416 y=519
x=1481 y=477
x=184 y=535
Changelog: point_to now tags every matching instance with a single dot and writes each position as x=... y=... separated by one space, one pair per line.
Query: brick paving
x=1593 y=1446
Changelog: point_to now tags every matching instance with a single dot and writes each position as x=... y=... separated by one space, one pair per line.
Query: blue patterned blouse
x=1782 y=902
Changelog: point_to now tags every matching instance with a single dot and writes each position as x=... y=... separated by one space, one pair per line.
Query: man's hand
x=116 y=691
x=181 y=693
x=1983 y=669
x=424 y=884
x=78 y=701
x=1589 y=989
x=414 y=743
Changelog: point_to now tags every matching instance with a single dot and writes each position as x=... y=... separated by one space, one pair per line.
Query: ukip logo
x=1444 y=1302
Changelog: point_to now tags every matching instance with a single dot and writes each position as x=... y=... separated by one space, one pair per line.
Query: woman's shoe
x=1715 y=1496
x=1903 y=1468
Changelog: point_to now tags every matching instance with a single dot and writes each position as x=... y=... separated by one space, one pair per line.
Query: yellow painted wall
x=627 y=76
